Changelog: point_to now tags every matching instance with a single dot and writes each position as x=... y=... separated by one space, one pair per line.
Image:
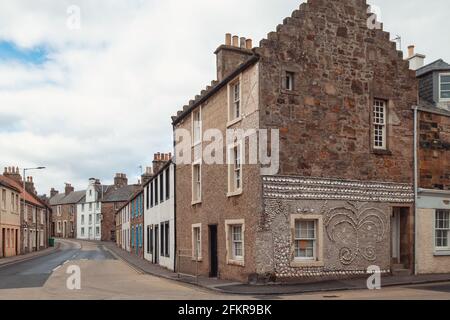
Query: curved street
x=104 y=277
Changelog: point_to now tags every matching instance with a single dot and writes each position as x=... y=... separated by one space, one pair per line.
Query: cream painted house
x=9 y=220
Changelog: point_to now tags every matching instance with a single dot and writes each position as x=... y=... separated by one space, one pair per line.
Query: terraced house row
x=364 y=159
x=24 y=216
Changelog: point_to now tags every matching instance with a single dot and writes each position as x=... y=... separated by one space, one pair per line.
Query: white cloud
x=103 y=101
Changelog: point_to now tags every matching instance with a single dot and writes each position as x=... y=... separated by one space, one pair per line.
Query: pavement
x=237 y=288
x=29 y=256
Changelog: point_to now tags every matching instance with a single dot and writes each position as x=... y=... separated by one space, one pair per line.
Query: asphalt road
x=34 y=273
x=103 y=277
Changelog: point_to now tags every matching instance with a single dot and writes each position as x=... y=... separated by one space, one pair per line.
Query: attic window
x=444 y=86
x=289 y=81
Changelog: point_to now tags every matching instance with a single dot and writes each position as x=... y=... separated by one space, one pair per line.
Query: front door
x=213 y=272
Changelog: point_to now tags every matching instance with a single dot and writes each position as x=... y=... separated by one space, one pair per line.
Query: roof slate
x=71 y=198
x=438 y=65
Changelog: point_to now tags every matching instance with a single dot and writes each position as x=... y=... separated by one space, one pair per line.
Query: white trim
x=199 y=198
x=199 y=141
x=232 y=191
x=318 y=260
x=231 y=260
x=231 y=119
x=376 y=123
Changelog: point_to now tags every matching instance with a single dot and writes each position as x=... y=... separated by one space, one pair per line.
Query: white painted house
x=124 y=216
x=159 y=217
x=89 y=213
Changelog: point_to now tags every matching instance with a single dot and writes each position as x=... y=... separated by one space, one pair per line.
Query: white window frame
x=233 y=189
x=232 y=259
x=436 y=229
x=233 y=117
x=197 y=242
x=196 y=194
x=379 y=124
x=306 y=238
x=82 y=220
x=289 y=78
x=318 y=260
x=440 y=90
x=197 y=127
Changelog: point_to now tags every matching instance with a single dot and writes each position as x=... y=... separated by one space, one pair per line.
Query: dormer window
x=444 y=87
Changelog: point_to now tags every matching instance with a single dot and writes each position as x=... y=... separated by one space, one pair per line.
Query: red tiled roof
x=28 y=196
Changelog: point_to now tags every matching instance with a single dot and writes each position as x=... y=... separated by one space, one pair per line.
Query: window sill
x=197 y=260
x=382 y=152
x=307 y=263
x=292 y=92
x=195 y=202
x=233 y=122
x=442 y=253
x=234 y=193
x=238 y=263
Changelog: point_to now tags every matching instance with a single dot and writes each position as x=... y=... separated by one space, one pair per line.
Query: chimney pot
x=235 y=41
x=242 y=44
x=228 y=39
x=411 y=51
x=249 y=44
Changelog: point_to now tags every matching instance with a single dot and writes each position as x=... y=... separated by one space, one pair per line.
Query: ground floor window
x=165 y=231
x=25 y=238
x=197 y=242
x=42 y=238
x=235 y=230
x=97 y=231
x=442 y=229
x=305 y=239
x=82 y=232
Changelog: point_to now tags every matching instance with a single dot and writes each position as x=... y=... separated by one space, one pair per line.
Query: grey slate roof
x=71 y=198
x=438 y=65
x=114 y=194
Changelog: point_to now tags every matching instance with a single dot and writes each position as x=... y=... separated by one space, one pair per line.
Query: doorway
x=214 y=265
x=402 y=242
x=17 y=243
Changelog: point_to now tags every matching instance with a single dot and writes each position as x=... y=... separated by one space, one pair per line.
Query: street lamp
x=23 y=203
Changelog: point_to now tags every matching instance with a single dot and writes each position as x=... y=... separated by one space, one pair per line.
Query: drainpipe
x=416 y=185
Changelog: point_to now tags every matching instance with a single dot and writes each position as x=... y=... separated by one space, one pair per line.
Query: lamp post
x=23 y=202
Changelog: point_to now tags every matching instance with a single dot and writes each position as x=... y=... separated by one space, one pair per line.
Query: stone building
x=96 y=213
x=341 y=96
x=9 y=220
x=433 y=144
x=64 y=209
x=34 y=213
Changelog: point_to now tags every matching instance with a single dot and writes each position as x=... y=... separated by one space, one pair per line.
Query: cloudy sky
x=94 y=101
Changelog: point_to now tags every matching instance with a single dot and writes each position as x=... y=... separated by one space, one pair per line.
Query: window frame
x=436 y=229
x=196 y=124
x=232 y=258
x=308 y=239
x=233 y=189
x=440 y=89
x=196 y=198
x=376 y=123
x=289 y=75
x=196 y=242
x=318 y=261
x=233 y=118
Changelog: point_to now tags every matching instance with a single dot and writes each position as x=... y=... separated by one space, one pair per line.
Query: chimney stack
x=13 y=173
x=416 y=60
x=120 y=180
x=148 y=174
x=159 y=160
x=29 y=185
x=68 y=189
x=53 y=192
x=232 y=54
